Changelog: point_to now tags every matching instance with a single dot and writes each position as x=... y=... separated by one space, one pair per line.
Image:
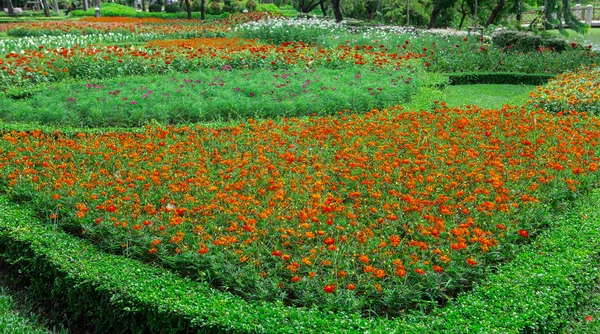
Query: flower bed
x=354 y=213
x=578 y=90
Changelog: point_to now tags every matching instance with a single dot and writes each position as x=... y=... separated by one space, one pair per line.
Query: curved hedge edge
x=535 y=292
x=543 y=287
x=13 y=322
x=110 y=293
x=506 y=78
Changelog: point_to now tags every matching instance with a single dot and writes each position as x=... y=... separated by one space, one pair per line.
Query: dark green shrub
x=527 y=41
x=215 y=7
x=155 y=8
x=172 y=8
x=470 y=78
x=251 y=5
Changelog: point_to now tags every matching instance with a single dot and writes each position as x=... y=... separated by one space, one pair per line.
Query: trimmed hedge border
x=505 y=78
x=537 y=292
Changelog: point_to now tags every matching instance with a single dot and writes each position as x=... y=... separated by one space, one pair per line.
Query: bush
x=526 y=41
x=267 y=7
x=251 y=5
x=154 y=8
x=471 y=78
x=215 y=7
x=172 y=8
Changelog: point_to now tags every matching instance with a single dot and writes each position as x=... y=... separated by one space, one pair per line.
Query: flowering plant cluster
x=349 y=212
x=577 y=90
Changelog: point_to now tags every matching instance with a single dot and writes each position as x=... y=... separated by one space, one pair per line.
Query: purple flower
x=72 y=99
x=134 y=103
x=237 y=89
x=251 y=94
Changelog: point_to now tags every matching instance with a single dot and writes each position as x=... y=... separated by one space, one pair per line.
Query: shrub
x=251 y=5
x=154 y=8
x=526 y=41
x=172 y=8
x=267 y=7
x=470 y=78
x=215 y=7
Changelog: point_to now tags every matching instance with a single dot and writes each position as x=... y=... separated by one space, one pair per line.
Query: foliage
x=107 y=9
x=291 y=211
x=267 y=7
x=11 y=321
x=251 y=5
x=507 y=78
x=154 y=8
x=280 y=30
x=577 y=90
x=218 y=94
x=520 y=41
x=172 y=8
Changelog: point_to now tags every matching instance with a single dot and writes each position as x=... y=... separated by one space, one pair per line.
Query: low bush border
x=537 y=292
x=507 y=78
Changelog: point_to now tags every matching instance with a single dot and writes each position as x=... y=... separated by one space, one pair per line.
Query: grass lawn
x=486 y=96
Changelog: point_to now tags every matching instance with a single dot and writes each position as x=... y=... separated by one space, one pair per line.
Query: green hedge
x=537 y=292
x=506 y=78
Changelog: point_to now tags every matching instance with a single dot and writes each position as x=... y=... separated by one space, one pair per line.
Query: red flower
x=471 y=261
x=437 y=268
x=350 y=286
x=111 y=208
x=329 y=288
x=589 y=318
x=329 y=241
x=573 y=44
x=523 y=233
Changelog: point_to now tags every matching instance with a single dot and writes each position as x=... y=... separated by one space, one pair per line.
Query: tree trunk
x=494 y=13
x=86 y=5
x=323 y=8
x=46 y=8
x=11 y=9
x=143 y=5
x=55 y=4
x=462 y=20
x=202 y=9
x=434 y=14
x=188 y=7
x=335 y=6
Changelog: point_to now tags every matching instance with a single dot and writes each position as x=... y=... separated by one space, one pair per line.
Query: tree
x=188 y=7
x=440 y=6
x=306 y=6
x=202 y=9
x=495 y=12
x=335 y=6
x=46 y=8
x=562 y=9
x=465 y=8
x=11 y=9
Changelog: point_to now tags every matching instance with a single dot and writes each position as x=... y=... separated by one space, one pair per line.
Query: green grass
x=14 y=322
x=484 y=96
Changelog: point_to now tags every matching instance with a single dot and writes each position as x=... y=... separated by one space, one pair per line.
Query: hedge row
x=537 y=292
x=506 y=78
